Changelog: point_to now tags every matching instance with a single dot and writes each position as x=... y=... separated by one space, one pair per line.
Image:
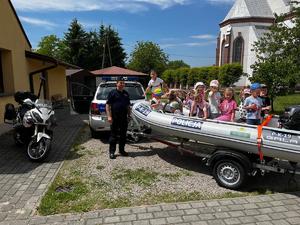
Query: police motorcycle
x=33 y=123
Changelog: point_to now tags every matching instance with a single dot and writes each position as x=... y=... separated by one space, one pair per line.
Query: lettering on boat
x=282 y=137
x=143 y=110
x=187 y=123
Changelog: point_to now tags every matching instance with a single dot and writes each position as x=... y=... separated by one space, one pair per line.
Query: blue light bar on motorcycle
x=126 y=78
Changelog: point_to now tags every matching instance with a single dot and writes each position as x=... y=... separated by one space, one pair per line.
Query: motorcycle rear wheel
x=38 y=151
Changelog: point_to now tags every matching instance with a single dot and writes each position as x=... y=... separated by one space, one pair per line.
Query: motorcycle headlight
x=37 y=117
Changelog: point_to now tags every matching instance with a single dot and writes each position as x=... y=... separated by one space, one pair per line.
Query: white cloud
x=187 y=44
x=92 y=5
x=199 y=44
x=37 y=22
x=221 y=1
x=204 y=36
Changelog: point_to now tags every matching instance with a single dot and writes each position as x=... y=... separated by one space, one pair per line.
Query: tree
x=183 y=73
x=168 y=76
x=114 y=54
x=75 y=41
x=146 y=56
x=230 y=74
x=278 y=56
x=51 y=46
x=177 y=64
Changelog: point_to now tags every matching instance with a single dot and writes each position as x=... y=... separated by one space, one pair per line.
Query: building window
x=238 y=46
x=1 y=75
x=223 y=49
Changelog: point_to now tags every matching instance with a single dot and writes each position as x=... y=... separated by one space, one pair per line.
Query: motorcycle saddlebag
x=21 y=96
x=291 y=118
x=10 y=113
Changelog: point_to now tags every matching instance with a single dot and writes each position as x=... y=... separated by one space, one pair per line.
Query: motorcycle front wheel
x=38 y=151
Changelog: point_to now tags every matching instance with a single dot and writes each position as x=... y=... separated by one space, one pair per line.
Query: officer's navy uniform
x=119 y=102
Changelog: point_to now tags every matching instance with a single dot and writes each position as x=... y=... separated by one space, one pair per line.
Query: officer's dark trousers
x=118 y=131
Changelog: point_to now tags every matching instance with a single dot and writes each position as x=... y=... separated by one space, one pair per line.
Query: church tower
x=245 y=23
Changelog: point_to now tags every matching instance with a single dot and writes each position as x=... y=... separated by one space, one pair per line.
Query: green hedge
x=227 y=75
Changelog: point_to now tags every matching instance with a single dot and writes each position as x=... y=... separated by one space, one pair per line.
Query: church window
x=238 y=47
x=223 y=50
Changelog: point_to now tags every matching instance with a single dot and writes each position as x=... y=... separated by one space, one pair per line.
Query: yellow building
x=20 y=68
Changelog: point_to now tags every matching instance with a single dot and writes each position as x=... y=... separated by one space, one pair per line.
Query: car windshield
x=135 y=91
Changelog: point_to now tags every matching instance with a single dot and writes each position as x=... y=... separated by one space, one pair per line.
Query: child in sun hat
x=199 y=106
x=253 y=104
x=214 y=98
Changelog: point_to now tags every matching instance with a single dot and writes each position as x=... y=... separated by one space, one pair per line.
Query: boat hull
x=276 y=143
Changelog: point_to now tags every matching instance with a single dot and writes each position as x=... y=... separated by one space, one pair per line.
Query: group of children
x=217 y=107
x=254 y=102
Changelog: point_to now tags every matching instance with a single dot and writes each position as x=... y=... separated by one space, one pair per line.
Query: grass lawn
x=283 y=101
x=82 y=184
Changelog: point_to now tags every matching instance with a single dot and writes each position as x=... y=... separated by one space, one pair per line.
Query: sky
x=185 y=29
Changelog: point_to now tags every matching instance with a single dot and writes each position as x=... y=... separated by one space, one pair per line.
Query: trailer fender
x=225 y=154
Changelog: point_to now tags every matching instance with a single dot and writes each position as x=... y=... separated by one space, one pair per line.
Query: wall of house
x=57 y=81
x=13 y=45
x=56 y=78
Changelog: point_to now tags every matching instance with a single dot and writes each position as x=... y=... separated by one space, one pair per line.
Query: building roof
x=73 y=71
x=34 y=55
x=250 y=8
x=257 y=11
x=19 y=22
x=117 y=71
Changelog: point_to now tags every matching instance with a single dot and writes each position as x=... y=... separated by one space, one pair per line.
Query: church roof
x=250 y=8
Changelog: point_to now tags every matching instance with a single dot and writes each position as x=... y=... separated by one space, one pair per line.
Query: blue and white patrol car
x=97 y=113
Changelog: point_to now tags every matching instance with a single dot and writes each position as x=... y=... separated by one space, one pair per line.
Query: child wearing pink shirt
x=228 y=106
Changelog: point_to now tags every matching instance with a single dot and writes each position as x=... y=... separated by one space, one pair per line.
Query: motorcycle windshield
x=43 y=103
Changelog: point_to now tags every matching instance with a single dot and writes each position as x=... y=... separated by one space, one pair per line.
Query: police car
x=97 y=113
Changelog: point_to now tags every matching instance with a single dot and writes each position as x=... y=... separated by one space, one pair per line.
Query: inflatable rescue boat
x=267 y=139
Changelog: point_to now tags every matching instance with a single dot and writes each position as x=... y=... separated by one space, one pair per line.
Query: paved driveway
x=22 y=184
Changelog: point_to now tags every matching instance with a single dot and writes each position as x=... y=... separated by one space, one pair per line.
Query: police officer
x=118 y=112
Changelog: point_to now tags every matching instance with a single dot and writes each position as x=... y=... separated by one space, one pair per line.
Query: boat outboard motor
x=291 y=118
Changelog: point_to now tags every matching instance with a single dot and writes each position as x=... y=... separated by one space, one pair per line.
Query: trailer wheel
x=229 y=174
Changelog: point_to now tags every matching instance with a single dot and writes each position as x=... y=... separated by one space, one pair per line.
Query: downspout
x=39 y=71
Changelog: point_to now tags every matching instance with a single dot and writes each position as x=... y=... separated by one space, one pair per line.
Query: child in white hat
x=214 y=99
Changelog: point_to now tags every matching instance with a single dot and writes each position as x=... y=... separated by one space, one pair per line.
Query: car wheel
x=94 y=134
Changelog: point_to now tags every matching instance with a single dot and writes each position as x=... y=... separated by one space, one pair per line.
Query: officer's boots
x=112 y=149
x=122 y=150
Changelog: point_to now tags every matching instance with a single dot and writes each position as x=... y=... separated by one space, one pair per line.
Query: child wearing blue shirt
x=253 y=104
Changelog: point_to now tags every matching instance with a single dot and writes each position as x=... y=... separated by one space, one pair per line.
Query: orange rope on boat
x=259 y=134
